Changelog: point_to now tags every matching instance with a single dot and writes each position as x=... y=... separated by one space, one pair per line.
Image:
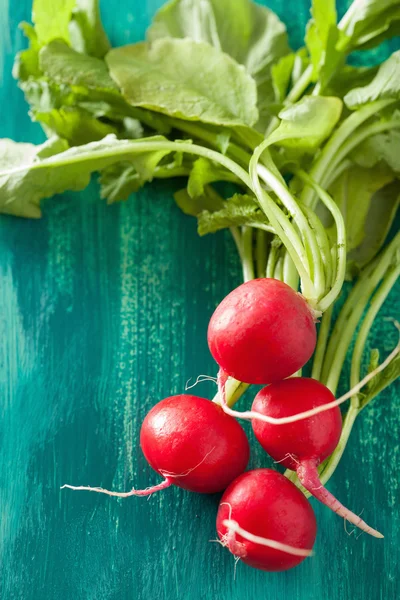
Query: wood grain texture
x=103 y=311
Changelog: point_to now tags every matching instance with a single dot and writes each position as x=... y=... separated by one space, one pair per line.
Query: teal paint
x=103 y=311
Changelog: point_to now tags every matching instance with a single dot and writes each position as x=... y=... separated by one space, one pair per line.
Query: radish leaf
x=385 y=85
x=241 y=209
x=185 y=79
x=86 y=30
x=306 y=124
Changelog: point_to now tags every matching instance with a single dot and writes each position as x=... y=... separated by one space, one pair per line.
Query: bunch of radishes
x=262 y=333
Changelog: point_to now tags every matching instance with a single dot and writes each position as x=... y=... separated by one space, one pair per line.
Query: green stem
x=322 y=342
x=301 y=85
x=366 y=132
x=247 y=259
x=331 y=296
x=283 y=228
x=315 y=265
x=271 y=262
x=323 y=243
x=234 y=389
x=262 y=227
x=376 y=304
x=278 y=272
x=290 y=275
x=237 y=238
x=327 y=156
x=137 y=147
x=210 y=137
x=261 y=252
x=352 y=312
x=328 y=468
x=391 y=275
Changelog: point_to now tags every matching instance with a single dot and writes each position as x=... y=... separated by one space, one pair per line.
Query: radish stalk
x=247 y=246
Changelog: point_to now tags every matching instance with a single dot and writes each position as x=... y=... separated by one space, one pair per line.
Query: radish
x=193 y=444
x=262 y=332
x=302 y=445
x=264 y=520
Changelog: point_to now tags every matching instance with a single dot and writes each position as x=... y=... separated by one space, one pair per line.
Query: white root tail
x=168 y=480
x=235 y=528
x=146 y=492
x=251 y=414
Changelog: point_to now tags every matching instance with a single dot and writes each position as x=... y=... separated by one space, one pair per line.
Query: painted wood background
x=103 y=311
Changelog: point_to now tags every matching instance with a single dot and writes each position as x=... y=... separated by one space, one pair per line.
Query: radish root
x=200 y=379
x=168 y=480
x=146 y=492
x=307 y=473
x=250 y=414
x=234 y=528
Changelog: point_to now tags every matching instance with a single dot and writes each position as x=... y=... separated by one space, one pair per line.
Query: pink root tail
x=150 y=490
x=308 y=475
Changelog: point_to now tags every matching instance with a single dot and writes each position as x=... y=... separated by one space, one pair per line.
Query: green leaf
x=318 y=31
x=51 y=19
x=306 y=124
x=120 y=180
x=281 y=73
x=368 y=200
x=369 y=22
x=64 y=65
x=385 y=85
x=349 y=77
x=383 y=147
x=74 y=80
x=205 y=172
x=209 y=201
x=185 y=79
x=26 y=178
x=26 y=62
x=76 y=125
x=381 y=381
x=223 y=140
x=252 y=34
x=241 y=209
x=86 y=30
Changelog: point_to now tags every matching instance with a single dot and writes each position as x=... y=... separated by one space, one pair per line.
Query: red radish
x=302 y=445
x=193 y=444
x=262 y=332
x=266 y=521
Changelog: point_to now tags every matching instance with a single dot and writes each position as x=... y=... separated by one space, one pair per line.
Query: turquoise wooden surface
x=103 y=311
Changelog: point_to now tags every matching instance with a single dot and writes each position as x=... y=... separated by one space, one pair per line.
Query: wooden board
x=103 y=311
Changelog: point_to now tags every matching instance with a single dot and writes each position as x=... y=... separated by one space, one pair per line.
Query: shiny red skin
x=314 y=438
x=262 y=332
x=267 y=504
x=187 y=433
